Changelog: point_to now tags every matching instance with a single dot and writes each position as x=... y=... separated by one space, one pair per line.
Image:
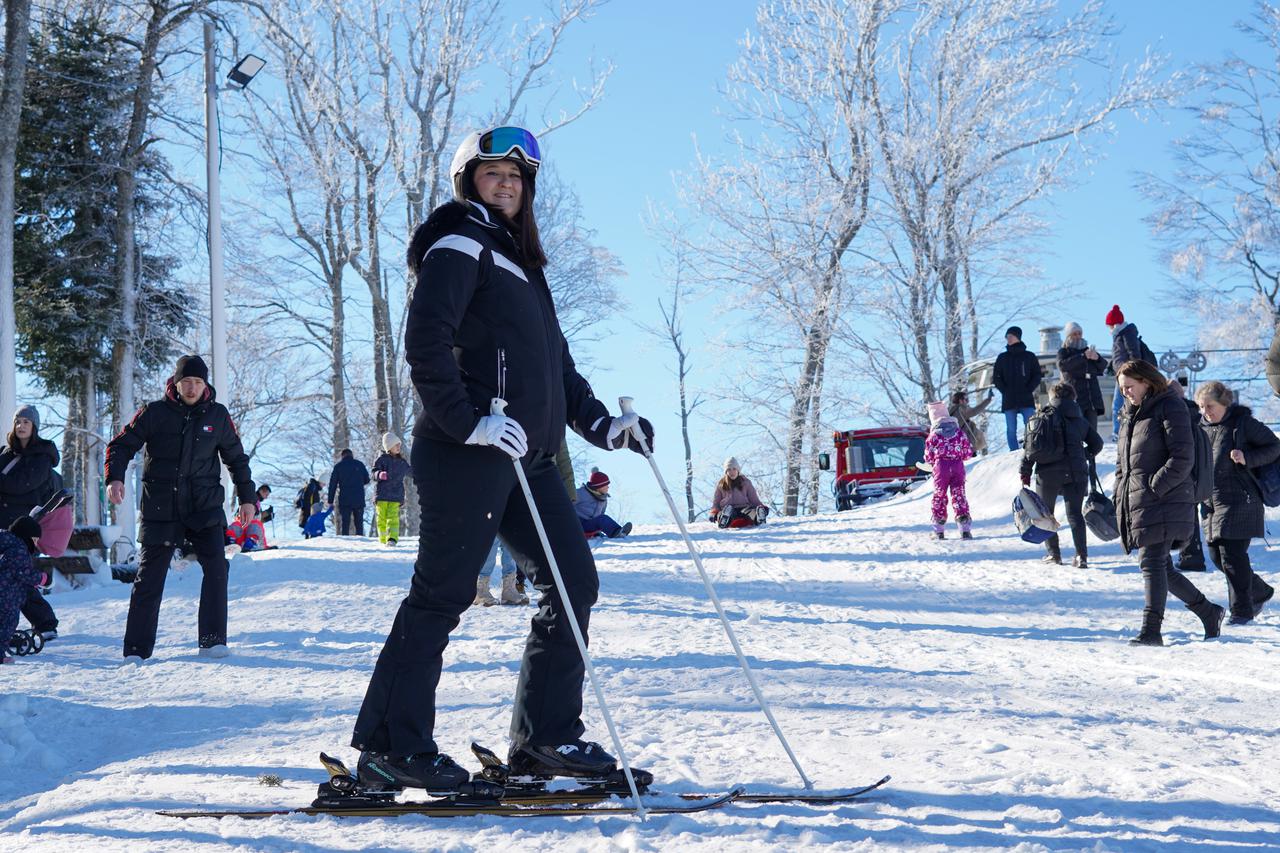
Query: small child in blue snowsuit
x=17 y=574
x=315 y=524
x=590 y=505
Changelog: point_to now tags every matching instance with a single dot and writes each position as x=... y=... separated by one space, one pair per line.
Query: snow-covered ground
x=1000 y=693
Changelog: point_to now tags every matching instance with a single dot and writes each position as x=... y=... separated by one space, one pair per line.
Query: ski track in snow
x=1000 y=693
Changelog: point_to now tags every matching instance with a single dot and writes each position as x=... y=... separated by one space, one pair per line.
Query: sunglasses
x=502 y=142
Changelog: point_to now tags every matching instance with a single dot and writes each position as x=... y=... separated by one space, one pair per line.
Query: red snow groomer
x=872 y=463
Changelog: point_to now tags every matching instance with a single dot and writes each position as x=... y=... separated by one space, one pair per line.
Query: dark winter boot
x=621 y=532
x=1261 y=601
x=437 y=773
x=579 y=759
x=1079 y=561
x=1211 y=616
x=1150 y=633
x=938 y=534
x=966 y=534
x=1053 y=552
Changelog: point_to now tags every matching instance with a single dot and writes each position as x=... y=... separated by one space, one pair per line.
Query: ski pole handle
x=497 y=406
x=625 y=405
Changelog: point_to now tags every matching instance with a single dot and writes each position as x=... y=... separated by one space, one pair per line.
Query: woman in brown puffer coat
x=1154 y=495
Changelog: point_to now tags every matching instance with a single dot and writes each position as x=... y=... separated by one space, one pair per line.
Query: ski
x=533 y=790
x=460 y=807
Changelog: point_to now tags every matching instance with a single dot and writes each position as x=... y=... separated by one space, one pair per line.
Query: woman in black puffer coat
x=1154 y=495
x=27 y=480
x=1234 y=515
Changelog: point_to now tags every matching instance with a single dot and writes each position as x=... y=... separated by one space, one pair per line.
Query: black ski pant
x=1244 y=587
x=148 y=590
x=39 y=612
x=1159 y=579
x=469 y=494
x=1048 y=488
x=349 y=516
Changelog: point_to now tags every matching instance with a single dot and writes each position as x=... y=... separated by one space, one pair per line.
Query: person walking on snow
x=185 y=433
x=17 y=574
x=389 y=471
x=481 y=327
x=735 y=503
x=1126 y=346
x=1155 y=496
x=1067 y=475
x=346 y=483
x=591 y=502
x=1234 y=515
x=27 y=480
x=945 y=449
x=1016 y=376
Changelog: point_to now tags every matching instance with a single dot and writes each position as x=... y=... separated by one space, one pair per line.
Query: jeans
x=1117 y=403
x=1011 y=424
x=497 y=557
x=601 y=524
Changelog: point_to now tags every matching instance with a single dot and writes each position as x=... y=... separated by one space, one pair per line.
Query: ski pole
x=624 y=403
x=498 y=406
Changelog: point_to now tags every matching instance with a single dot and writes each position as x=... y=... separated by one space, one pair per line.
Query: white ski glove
x=623 y=432
x=501 y=432
x=619 y=425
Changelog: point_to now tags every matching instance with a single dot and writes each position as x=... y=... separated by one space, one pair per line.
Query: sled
x=1034 y=520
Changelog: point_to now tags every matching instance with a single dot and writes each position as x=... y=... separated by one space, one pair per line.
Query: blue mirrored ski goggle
x=502 y=142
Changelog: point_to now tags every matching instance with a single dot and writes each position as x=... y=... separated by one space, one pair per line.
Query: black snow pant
x=1159 y=579
x=346 y=516
x=1244 y=587
x=148 y=590
x=1191 y=557
x=39 y=612
x=469 y=494
x=1048 y=488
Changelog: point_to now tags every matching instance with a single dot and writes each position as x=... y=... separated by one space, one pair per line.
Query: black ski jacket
x=27 y=478
x=308 y=496
x=480 y=326
x=392 y=488
x=1016 y=376
x=1081 y=373
x=1236 y=510
x=347 y=480
x=181 y=473
x=1080 y=442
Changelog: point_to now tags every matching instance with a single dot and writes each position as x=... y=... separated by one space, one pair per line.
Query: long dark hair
x=12 y=442
x=1144 y=371
x=727 y=485
x=525 y=228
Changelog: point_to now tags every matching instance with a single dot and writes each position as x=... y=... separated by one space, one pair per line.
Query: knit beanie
x=29 y=412
x=732 y=462
x=389 y=440
x=27 y=529
x=1016 y=331
x=1115 y=317
x=597 y=481
x=937 y=411
x=1071 y=328
x=191 y=366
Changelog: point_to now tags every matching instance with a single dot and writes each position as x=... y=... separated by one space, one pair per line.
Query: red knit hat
x=1115 y=316
x=597 y=480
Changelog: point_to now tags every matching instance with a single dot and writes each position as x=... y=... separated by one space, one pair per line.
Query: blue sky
x=670 y=56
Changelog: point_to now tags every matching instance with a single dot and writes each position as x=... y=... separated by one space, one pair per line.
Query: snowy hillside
x=1000 y=693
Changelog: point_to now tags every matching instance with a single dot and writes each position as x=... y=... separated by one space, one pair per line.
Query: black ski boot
x=1261 y=601
x=1211 y=616
x=437 y=773
x=1150 y=633
x=1080 y=561
x=578 y=759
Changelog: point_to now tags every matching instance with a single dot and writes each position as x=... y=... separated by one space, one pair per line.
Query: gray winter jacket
x=1236 y=510
x=590 y=504
x=1154 y=494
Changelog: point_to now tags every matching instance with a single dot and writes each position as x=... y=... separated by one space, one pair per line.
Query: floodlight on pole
x=245 y=70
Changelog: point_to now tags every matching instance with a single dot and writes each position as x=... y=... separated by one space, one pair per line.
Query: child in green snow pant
x=388 y=520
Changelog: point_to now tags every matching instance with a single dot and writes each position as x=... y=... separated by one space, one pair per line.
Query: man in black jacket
x=1016 y=376
x=347 y=482
x=184 y=435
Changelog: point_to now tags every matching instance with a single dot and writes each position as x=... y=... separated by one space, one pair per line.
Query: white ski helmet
x=500 y=143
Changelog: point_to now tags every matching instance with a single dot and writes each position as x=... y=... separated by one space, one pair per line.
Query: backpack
x=1265 y=477
x=1044 y=441
x=1034 y=520
x=1145 y=353
x=1202 y=465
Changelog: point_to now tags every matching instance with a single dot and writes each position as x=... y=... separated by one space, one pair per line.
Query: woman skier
x=482 y=329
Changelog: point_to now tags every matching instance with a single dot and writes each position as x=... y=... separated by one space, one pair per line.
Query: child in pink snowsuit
x=945 y=449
